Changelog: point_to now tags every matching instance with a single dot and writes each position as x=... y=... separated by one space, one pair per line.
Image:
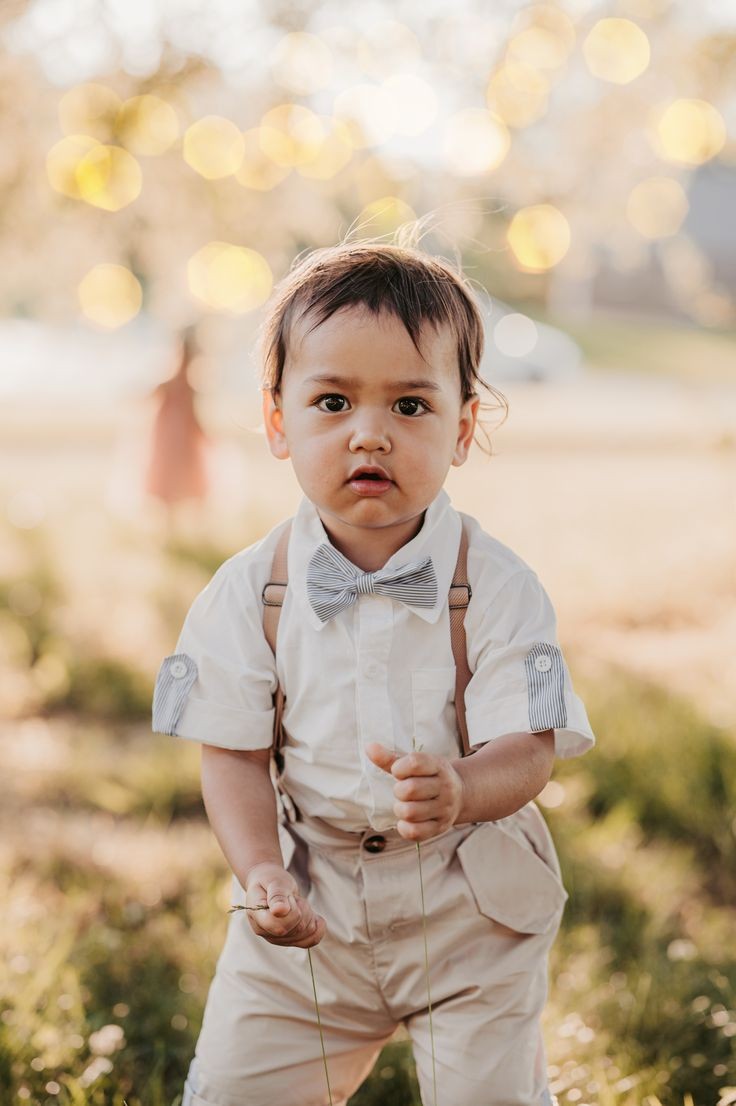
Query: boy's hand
x=288 y=919
x=428 y=790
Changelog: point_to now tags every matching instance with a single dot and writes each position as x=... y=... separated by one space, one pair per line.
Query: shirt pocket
x=433 y=710
x=511 y=883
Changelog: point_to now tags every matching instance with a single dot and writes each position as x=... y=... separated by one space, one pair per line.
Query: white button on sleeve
x=178 y=670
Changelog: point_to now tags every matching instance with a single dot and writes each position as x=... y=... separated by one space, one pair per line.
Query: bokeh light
x=302 y=63
x=291 y=135
x=90 y=109
x=475 y=141
x=539 y=237
x=147 y=125
x=515 y=335
x=257 y=170
x=213 y=147
x=110 y=296
x=691 y=131
x=542 y=37
x=229 y=278
x=657 y=207
x=616 y=50
x=518 y=93
x=108 y=177
x=333 y=154
x=62 y=161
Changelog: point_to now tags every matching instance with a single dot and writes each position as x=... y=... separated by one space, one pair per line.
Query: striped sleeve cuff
x=173 y=684
x=545 y=680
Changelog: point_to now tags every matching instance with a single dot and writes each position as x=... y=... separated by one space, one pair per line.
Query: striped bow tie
x=333 y=583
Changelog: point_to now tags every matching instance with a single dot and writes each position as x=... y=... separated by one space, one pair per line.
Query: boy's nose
x=369 y=438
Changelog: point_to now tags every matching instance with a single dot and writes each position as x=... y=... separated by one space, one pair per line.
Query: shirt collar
x=439 y=538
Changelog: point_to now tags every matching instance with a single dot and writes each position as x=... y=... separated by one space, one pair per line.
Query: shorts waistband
x=321 y=834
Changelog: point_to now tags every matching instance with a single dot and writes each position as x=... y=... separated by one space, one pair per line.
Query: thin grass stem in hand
x=416 y=748
x=319 y=1023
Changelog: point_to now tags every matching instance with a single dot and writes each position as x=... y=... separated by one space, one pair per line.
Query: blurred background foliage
x=161 y=166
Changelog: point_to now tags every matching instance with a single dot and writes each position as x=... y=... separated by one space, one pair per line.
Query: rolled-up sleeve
x=520 y=680
x=217 y=687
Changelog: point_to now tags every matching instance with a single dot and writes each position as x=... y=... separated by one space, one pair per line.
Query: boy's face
x=357 y=396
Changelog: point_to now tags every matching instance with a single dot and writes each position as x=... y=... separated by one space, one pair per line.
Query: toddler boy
x=371 y=356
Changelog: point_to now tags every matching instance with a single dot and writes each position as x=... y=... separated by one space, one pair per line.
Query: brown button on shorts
x=493 y=899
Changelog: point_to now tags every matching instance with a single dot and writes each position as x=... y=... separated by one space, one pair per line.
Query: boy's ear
x=273 y=421
x=466 y=430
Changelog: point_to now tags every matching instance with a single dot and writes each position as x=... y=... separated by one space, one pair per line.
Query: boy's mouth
x=370 y=480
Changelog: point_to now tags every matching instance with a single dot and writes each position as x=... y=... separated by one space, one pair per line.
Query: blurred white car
x=520 y=348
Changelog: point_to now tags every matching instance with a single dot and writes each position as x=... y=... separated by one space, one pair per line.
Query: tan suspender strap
x=273 y=598
x=459 y=598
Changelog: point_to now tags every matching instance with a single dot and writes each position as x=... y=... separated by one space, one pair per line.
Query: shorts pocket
x=511 y=884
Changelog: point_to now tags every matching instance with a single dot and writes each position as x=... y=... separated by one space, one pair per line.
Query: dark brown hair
x=414 y=286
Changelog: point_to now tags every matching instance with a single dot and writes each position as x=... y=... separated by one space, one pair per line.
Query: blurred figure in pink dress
x=177 y=463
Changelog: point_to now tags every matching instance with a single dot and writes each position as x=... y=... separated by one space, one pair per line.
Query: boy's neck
x=369 y=549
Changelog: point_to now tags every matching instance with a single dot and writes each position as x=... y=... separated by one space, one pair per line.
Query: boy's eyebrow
x=350 y=382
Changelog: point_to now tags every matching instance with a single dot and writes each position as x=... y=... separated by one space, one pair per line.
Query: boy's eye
x=334 y=403
x=411 y=405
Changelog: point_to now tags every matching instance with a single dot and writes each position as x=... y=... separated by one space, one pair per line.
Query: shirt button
x=543 y=663
x=375 y=844
x=371 y=670
x=178 y=669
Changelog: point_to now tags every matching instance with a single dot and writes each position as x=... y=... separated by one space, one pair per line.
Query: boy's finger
x=280 y=900
x=315 y=935
x=381 y=756
x=416 y=811
x=304 y=940
x=418 y=831
x=417 y=789
x=415 y=764
x=276 y=926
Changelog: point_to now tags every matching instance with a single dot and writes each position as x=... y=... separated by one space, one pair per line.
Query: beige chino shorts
x=494 y=900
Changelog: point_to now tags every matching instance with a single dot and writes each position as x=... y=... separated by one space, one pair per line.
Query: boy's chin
x=368 y=515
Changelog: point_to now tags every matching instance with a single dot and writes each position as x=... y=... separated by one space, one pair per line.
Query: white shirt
x=378 y=671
